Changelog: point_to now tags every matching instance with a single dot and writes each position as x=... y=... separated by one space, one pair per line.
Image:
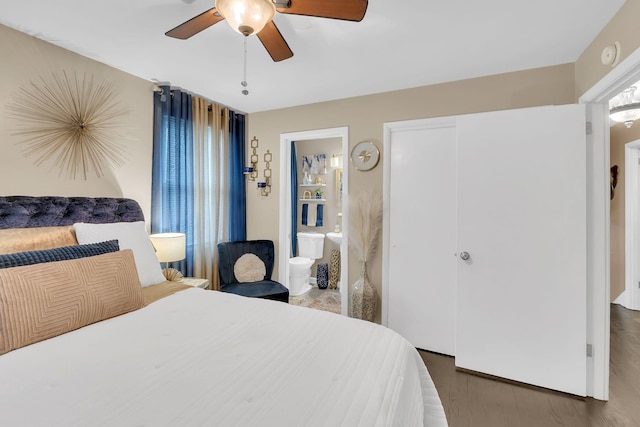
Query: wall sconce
x=336 y=160
x=170 y=247
x=265 y=187
x=252 y=171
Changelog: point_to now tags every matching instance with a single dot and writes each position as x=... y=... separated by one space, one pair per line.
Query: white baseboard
x=623 y=299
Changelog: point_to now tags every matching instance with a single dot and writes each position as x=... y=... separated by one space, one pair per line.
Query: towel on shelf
x=305 y=209
x=311 y=217
x=319 y=215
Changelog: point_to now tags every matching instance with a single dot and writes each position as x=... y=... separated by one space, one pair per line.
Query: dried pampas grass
x=365 y=223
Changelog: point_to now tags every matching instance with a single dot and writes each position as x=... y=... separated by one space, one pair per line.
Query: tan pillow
x=249 y=268
x=42 y=301
x=14 y=240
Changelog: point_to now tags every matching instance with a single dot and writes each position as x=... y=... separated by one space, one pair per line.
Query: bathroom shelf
x=313 y=200
x=313 y=185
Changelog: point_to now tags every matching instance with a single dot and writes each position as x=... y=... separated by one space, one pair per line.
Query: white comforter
x=203 y=358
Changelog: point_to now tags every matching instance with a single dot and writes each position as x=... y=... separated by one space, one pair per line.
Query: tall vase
x=334 y=269
x=323 y=276
x=363 y=297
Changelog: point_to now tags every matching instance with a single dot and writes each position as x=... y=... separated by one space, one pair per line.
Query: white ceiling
x=399 y=44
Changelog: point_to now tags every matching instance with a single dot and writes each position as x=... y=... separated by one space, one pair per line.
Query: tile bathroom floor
x=319 y=299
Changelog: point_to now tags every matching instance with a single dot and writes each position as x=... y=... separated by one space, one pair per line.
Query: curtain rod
x=158 y=89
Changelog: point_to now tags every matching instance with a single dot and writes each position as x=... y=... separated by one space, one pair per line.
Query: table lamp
x=170 y=247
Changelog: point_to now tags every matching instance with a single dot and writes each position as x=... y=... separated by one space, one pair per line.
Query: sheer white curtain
x=210 y=187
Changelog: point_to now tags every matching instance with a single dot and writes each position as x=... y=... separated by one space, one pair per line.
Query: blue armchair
x=228 y=255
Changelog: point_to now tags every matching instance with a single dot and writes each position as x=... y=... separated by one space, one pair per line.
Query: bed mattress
x=203 y=358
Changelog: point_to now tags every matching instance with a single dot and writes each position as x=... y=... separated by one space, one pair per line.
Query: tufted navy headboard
x=50 y=211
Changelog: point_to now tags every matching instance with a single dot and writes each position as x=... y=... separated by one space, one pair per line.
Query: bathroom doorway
x=341 y=135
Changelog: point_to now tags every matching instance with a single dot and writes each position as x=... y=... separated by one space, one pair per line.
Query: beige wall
x=366 y=115
x=26 y=59
x=623 y=28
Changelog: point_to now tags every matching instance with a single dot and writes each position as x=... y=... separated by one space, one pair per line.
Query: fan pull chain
x=244 y=79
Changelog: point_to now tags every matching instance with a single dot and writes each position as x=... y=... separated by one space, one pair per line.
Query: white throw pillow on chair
x=249 y=268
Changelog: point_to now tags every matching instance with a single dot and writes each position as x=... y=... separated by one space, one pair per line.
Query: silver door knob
x=464 y=256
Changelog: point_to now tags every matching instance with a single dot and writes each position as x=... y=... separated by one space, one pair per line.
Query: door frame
x=599 y=222
x=630 y=296
x=284 y=245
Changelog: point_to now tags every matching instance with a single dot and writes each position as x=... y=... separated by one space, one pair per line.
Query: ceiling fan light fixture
x=246 y=16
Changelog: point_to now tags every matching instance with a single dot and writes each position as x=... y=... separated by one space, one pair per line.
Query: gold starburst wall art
x=71 y=122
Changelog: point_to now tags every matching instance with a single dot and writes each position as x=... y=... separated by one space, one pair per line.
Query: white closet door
x=522 y=218
x=422 y=233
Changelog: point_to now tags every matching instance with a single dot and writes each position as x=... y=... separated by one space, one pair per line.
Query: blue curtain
x=294 y=200
x=172 y=177
x=237 y=186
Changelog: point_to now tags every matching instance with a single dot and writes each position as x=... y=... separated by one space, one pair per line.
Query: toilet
x=310 y=248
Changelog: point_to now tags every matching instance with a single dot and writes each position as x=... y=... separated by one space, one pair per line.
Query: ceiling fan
x=256 y=17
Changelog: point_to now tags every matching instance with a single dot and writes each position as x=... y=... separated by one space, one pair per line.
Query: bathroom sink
x=335 y=237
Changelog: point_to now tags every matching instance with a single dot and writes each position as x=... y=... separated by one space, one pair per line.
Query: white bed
x=201 y=358
x=84 y=342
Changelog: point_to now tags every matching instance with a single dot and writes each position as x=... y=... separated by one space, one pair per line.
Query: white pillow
x=249 y=268
x=130 y=235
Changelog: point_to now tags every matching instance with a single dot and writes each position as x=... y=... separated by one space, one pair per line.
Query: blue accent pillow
x=58 y=254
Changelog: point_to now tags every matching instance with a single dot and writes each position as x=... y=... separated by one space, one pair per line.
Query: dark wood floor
x=474 y=401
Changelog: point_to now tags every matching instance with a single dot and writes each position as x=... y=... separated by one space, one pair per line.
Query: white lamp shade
x=246 y=16
x=169 y=246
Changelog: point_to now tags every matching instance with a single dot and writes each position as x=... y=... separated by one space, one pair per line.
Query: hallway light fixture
x=625 y=107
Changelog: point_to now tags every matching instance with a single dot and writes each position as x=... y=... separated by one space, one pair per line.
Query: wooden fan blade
x=275 y=44
x=194 y=25
x=347 y=10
